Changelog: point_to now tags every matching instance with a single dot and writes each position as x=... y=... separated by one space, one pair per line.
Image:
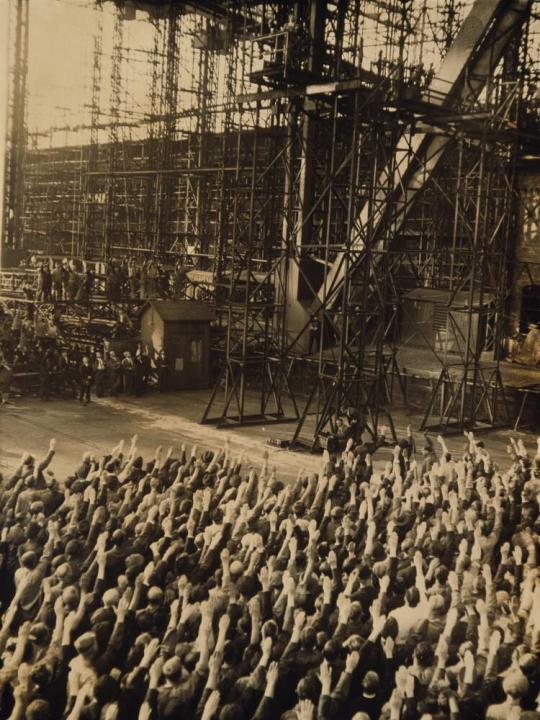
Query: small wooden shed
x=182 y=329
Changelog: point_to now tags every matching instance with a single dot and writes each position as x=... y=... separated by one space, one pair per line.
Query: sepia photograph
x=270 y=360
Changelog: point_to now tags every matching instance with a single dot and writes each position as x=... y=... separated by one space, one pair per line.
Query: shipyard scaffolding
x=345 y=166
x=380 y=220
x=16 y=139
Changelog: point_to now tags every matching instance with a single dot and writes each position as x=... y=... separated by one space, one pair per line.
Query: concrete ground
x=27 y=424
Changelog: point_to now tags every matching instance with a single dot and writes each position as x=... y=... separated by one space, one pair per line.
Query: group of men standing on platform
x=124 y=279
x=109 y=373
x=61 y=280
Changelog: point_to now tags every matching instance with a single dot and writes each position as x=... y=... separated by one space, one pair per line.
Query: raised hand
x=388 y=646
x=255 y=608
x=393 y=544
x=299 y=619
x=272 y=674
x=155 y=671
x=332 y=560
x=266 y=647
x=401 y=680
x=453 y=581
x=325 y=676
x=327 y=589
x=211 y=706
x=494 y=643
x=123 y=607
x=344 y=607
x=224 y=623
x=468 y=661
x=378 y=625
x=352 y=661
x=305 y=710
x=264 y=578
x=150 y=652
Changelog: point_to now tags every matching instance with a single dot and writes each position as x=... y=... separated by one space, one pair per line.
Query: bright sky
x=60 y=54
x=61 y=45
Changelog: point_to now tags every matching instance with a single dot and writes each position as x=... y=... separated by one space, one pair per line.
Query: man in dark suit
x=86 y=379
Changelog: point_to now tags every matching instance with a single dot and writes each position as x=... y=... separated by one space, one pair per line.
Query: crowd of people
x=58 y=280
x=33 y=358
x=108 y=373
x=146 y=280
x=393 y=583
x=122 y=279
x=27 y=348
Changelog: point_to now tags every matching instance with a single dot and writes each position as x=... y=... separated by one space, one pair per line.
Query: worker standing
x=86 y=379
x=314 y=334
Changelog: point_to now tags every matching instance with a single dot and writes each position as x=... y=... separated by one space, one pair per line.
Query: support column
x=298 y=299
x=12 y=229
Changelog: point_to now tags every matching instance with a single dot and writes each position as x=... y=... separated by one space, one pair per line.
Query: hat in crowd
x=143 y=639
x=437 y=604
x=29 y=559
x=134 y=561
x=38 y=710
x=248 y=586
x=515 y=684
x=401 y=519
x=236 y=568
x=111 y=597
x=155 y=595
x=70 y=594
x=172 y=666
x=73 y=547
x=364 y=573
x=79 y=486
x=390 y=629
x=16 y=535
x=85 y=642
x=57 y=561
x=371 y=682
x=118 y=537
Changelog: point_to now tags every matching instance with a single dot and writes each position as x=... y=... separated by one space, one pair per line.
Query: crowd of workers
x=127 y=278
x=401 y=585
x=123 y=279
x=31 y=357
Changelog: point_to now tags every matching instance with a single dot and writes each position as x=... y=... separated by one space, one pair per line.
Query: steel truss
x=301 y=161
x=248 y=263
x=16 y=140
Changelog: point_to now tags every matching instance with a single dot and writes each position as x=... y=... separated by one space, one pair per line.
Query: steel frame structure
x=16 y=140
x=309 y=164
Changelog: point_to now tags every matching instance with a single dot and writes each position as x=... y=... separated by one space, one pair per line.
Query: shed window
x=196 y=351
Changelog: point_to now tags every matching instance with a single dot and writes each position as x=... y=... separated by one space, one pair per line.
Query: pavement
x=169 y=419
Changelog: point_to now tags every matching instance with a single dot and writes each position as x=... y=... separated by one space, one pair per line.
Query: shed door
x=186 y=351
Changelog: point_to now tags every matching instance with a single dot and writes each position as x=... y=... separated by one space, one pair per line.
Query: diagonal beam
x=477 y=49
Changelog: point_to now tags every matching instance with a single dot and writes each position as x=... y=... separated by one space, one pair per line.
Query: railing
x=12 y=282
x=274 y=48
x=23 y=285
